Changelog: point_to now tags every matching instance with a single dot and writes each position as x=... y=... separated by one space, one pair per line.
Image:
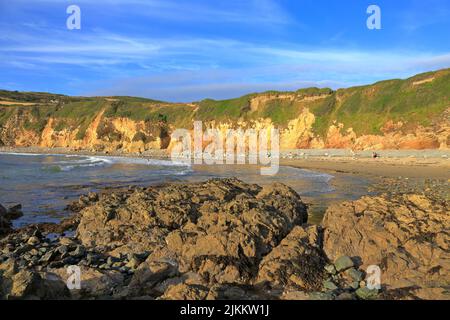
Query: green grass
x=223 y=110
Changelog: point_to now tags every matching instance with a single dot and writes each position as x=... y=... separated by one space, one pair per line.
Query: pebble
x=329 y=285
x=355 y=275
x=330 y=269
x=33 y=241
x=366 y=294
x=343 y=263
x=62 y=249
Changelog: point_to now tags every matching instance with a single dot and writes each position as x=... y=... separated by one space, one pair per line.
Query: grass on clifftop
x=415 y=101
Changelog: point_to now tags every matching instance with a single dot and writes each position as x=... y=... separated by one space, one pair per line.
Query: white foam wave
x=20 y=154
x=146 y=161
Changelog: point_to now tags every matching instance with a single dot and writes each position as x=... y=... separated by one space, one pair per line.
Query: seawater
x=45 y=183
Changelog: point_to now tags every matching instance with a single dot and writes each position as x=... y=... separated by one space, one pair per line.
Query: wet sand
x=392 y=167
x=433 y=164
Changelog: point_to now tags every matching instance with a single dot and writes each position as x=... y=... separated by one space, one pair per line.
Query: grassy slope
x=364 y=108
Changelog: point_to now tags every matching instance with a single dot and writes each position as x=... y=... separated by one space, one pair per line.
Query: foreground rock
x=220 y=229
x=225 y=239
x=407 y=236
x=206 y=239
x=6 y=217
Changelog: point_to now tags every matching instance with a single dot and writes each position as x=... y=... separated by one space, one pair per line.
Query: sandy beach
x=433 y=168
x=426 y=164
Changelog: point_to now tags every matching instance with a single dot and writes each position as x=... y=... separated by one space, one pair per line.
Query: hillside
x=393 y=114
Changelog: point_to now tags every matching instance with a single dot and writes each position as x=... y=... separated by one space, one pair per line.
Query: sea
x=44 y=184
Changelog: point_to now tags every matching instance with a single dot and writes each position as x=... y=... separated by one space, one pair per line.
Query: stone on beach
x=225 y=239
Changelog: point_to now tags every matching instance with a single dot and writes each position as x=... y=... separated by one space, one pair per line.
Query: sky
x=188 y=50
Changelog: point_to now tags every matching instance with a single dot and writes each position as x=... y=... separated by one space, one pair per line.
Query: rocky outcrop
x=298 y=261
x=225 y=239
x=26 y=284
x=407 y=236
x=6 y=217
x=219 y=229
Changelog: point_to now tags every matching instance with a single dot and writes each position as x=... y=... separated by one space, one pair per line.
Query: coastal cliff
x=394 y=114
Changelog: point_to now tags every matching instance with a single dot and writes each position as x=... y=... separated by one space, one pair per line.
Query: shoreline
x=388 y=166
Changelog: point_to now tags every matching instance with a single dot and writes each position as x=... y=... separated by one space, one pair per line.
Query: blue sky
x=186 y=50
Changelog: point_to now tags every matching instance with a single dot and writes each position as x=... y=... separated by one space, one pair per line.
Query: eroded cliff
x=394 y=114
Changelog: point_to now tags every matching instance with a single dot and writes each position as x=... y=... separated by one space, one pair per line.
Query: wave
x=74 y=161
x=21 y=154
x=98 y=161
x=308 y=174
x=146 y=161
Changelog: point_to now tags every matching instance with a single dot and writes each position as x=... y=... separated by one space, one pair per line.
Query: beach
x=325 y=177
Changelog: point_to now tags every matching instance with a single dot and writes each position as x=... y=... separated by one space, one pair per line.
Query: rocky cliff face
x=396 y=114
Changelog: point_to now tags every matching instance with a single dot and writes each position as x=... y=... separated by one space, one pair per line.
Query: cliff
x=394 y=114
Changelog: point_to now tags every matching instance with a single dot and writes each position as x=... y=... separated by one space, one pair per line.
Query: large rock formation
x=407 y=236
x=225 y=239
x=220 y=229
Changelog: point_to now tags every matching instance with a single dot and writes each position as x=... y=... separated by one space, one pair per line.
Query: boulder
x=298 y=261
x=6 y=217
x=29 y=284
x=343 y=263
x=186 y=292
x=220 y=229
x=93 y=283
x=406 y=236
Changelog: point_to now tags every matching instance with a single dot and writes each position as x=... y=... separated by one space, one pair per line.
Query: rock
x=149 y=274
x=343 y=263
x=23 y=248
x=62 y=249
x=321 y=296
x=94 y=283
x=33 y=241
x=295 y=296
x=366 y=294
x=186 y=292
x=5 y=221
x=28 y=284
x=14 y=212
x=355 y=275
x=48 y=256
x=228 y=292
x=329 y=285
x=405 y=235
x=345 y=296
x=24 y=285
x=79 y=252
x=299 y=254
x=3 y=210
x=134 y=262
x=92 y=196
x=330 y=269
x=67 y=241
x=219 y=229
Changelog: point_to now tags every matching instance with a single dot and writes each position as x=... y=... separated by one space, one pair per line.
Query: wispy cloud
x=420 y=14
x=187 y=50
x=217 y=11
